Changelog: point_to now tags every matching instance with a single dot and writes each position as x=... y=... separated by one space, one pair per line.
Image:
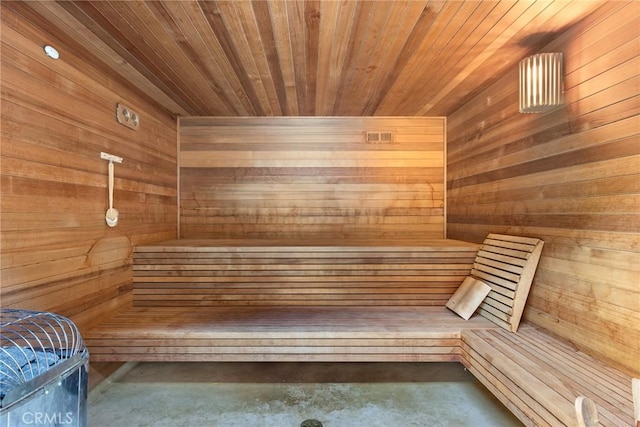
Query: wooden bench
x=276 y=301
x=283 y=334
x=538 y=377
x=248 y=272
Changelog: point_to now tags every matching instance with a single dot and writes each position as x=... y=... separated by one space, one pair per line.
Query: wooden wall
x=57 y=116
x=570 y=177
x=311 y=177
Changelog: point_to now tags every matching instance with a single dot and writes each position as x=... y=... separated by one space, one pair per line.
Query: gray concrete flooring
x=287 y=394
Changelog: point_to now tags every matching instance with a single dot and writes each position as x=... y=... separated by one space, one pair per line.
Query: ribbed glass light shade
x=541 y=86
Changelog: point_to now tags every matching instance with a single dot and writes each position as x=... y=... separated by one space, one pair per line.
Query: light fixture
x=51 y=52
x=541 y=86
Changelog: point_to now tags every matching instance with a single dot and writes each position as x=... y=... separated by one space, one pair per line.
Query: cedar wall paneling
x=570 y=177
x=57 y=116
x=311 y=177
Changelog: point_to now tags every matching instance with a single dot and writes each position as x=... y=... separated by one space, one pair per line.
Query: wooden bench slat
x=500 y=295
x=494 y=314
x=500 y=265
x=515 y=250
x=509 y=280
x=489 y=278
x=531 y=241
x=492 y=305
x=502 y=258
x=500 y=251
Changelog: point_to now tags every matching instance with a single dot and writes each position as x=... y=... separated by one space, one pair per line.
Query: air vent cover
x=378 y=137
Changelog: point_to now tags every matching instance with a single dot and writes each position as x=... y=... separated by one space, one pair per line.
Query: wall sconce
x=541 y=83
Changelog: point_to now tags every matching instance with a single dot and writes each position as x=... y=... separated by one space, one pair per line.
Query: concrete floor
x=287 y=394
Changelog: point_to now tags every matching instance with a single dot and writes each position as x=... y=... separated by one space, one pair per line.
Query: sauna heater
x=44 y=367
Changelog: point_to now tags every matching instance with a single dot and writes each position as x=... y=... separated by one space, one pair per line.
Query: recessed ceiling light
x=51 y=52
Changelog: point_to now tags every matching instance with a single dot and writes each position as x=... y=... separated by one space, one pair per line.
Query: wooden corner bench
x=538 y=377
x=311 y=301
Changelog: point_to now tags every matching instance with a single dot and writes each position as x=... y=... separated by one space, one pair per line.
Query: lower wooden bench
x=256 y=301
x=538 y=377
x=284 y=334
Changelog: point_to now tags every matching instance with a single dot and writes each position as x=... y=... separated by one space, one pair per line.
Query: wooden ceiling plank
x=216 y=20
x=415 y=39
x=391 y=49
x=216 y=54
x=78 y=26
x=312 y=16
x=295 y=15
x=266 y=31
x=474 y=44
x=125 y=26
x=282 y=40
x=357 y=36
x=334 y=41
x=329 y=15
x=469 y=33
x=369 y=56
x=413 y=74
x=260 y=57
x=195 y=36
x=446 y=44
x=133 y=33
x=595 y=56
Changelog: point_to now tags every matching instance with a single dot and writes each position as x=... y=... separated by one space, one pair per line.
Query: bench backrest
x=507 y=264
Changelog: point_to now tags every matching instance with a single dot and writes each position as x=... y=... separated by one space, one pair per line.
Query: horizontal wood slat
x=249 y=273
x=57 y=252
x=318 y=177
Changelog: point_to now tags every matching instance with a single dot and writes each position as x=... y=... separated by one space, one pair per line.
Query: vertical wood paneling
x=570 y=177
x=311 y=177
x=57 y=116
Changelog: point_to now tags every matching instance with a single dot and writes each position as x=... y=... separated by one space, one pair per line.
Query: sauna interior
x=280 y=127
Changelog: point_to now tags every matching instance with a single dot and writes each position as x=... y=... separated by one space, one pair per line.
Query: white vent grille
x=378 y=137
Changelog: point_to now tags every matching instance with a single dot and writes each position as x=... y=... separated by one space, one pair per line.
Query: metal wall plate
x=127 y=116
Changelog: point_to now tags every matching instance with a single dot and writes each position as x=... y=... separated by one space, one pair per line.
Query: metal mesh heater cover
x=43 y=369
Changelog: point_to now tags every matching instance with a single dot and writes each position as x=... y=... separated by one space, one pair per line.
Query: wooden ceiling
x=308 y=58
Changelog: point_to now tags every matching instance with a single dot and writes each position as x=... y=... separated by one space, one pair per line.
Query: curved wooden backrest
x=507 y=264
